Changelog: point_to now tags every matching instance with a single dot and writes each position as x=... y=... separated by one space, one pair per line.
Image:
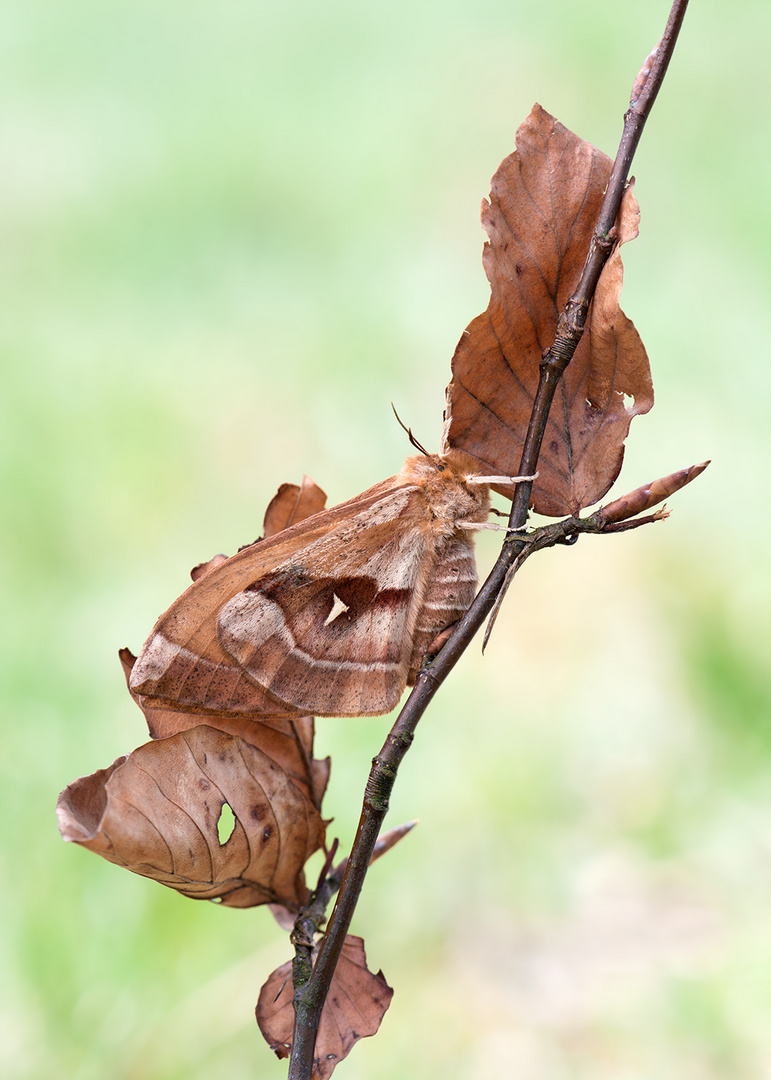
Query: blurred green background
x=233 y=233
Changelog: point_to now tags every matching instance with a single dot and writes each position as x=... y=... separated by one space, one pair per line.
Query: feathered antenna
x=411 y=437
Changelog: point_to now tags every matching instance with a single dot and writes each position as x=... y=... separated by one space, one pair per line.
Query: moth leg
x=489 y=525
x=499 y=479
x=439 y=642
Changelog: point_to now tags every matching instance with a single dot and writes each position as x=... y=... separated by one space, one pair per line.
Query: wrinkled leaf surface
x=543 y=207
x=354 y=1008
x=156 y=812
x=293 y=503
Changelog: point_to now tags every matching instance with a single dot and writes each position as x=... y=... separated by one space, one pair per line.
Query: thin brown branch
x=310 y=996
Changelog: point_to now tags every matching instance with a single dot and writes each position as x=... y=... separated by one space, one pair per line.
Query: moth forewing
x=173 y=677
x=331 y=616
x=280 y=628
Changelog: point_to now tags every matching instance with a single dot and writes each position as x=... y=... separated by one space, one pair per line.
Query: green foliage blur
x=232 y=234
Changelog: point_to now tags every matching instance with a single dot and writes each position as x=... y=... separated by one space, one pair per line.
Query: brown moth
x=333 y=615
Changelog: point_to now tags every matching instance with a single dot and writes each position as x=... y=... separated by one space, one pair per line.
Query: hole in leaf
x=226 y=822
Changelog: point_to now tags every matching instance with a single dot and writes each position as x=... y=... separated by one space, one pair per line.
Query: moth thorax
x=453 y=501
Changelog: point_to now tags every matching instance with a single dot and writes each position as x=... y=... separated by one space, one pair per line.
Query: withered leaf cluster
x=159 y=811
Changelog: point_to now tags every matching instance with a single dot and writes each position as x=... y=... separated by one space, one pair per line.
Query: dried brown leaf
x=156 y=812
x=543 y=207
x=285 y=917
x=293 y=503
x=206 y=567
x=355 y=1006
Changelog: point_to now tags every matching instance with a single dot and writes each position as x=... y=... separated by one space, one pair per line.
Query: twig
x=310 y=996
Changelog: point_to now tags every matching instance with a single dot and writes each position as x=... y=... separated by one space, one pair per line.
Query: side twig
x=310 y=995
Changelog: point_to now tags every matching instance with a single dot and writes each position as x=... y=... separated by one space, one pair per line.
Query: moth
x=332 y=616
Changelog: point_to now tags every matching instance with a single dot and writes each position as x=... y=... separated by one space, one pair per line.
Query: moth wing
x=318 y=619
x=331 y=632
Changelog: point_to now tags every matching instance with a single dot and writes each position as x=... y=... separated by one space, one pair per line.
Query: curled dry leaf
x=354 y=1008
x=288 y=741
x=205 y=568
x=647 y=496
x=156 y=812
x=285 y=917
x=543 y=207
x=293 y=503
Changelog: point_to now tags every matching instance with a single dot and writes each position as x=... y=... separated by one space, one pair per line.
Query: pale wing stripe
x=435 y=626
x=343 y=665
x=444 y=605
x=155 y=660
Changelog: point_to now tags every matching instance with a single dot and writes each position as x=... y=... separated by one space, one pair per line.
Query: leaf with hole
x=203 y=812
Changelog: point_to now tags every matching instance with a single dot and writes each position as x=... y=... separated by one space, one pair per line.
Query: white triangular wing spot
x=338 y=608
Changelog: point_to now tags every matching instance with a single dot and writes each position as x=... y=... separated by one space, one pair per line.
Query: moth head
x=444 y=480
